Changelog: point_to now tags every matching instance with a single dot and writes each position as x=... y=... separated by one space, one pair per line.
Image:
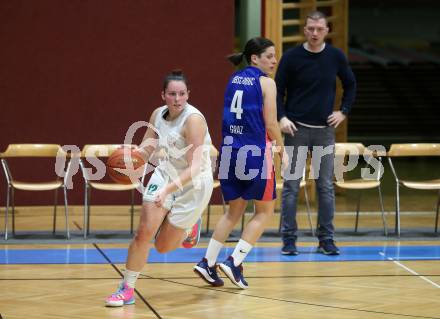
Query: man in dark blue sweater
x=306 y=83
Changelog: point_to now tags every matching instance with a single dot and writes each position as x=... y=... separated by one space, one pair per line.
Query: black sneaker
x=289 y=248
x=328 y=247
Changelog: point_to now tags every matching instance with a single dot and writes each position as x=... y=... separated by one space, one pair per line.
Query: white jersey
x=172 y=144
x=186 y=204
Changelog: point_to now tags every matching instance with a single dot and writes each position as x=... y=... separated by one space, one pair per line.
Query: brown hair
x=316 y=15
x=175 y=75
x=253 y=46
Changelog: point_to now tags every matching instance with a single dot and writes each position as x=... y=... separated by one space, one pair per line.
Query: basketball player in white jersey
x=180 y=187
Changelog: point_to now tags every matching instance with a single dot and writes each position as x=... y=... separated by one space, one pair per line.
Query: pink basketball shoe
x=123 y=296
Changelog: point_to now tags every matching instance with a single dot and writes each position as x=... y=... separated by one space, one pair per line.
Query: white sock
x=241 y=251
x=130 y=277
x=212 y=252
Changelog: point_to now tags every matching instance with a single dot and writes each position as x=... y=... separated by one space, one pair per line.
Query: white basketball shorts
x=186 y=205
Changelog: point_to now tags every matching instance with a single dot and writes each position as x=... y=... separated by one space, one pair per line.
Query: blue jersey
x=243 y=110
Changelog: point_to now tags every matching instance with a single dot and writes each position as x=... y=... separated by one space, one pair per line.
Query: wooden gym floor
x=402 y=285
x=375 y=277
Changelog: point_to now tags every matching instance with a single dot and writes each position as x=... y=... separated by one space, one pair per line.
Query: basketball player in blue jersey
x=246 y=170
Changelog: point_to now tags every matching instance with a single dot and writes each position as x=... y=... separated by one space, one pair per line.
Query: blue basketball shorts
x=247 y=174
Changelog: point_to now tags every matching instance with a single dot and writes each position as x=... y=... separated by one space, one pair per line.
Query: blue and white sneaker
x=208 y=274
x=234 y=273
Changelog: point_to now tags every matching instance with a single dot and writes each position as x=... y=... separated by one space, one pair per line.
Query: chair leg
x=309 y=214
x=54 y=227
x=13 y=210
x=397 y=223
x=86 y=204
x=88 y=210
x=66 y=212
x=436 y=215
x=207 y=218
x=7 y=212
x=132 y=211
x=384 y=220
x=358 y=207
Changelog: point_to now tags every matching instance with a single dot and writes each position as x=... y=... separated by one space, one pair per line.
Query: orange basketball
x=128 y=159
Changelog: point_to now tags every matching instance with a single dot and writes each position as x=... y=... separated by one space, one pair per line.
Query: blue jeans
x=313 y=140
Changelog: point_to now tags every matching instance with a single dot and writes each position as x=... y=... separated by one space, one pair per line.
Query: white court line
x=375 y=213
x=410 y=270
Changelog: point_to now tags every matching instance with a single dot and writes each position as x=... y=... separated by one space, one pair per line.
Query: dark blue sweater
x=309 y=80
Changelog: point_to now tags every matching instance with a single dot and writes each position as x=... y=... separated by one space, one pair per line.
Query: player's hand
x=160 y=197
x=336 y=118
x=287 y=126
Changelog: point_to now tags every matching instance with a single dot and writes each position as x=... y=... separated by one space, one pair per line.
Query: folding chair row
x=33 y=151
x=431 y=183
x=55 y=152
x=342 y=152
x=395 y=153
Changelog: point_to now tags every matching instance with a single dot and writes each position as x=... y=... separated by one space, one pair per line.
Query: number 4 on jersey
x=236 y=104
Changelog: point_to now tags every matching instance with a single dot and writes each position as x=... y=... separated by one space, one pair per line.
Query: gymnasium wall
x=402 y=23
x=81 y=72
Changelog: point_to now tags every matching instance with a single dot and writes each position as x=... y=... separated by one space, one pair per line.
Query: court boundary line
x=249 y=262
x=240 y=292
x=146 y=277
x=308 y=255
x=122 y=276
x=409 y=270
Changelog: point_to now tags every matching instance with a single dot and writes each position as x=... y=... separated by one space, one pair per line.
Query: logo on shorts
x=151 y=189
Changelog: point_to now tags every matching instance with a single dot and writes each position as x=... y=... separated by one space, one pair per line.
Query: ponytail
x=253 y=46
x=235 y=58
